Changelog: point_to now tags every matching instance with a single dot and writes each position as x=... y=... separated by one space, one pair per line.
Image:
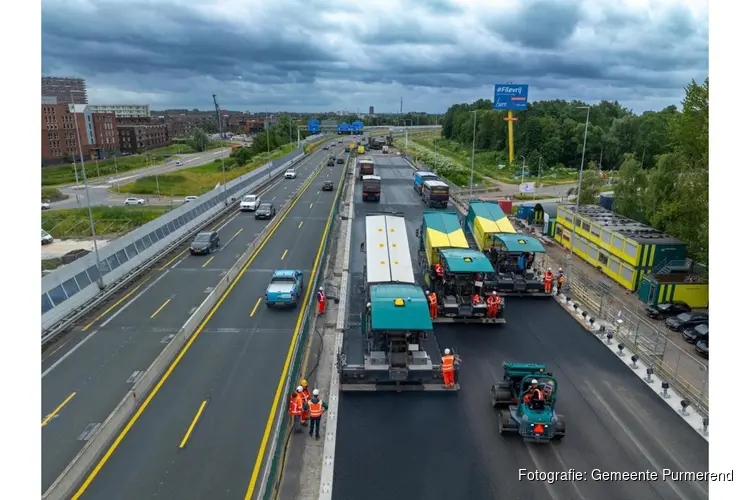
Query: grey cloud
x=540 y=24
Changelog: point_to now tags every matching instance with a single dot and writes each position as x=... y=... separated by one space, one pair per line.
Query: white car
x=45 y=205
x=178 y=163
x=290 y=174
x=134 y=201
x=46 y=238
x=190 y=198
x=250 y=202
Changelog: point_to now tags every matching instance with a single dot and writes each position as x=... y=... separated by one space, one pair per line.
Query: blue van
x=420 y=177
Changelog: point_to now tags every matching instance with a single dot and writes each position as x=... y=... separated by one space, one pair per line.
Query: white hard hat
x=560 y=269
x=299 y=388
x=369 y=304
x=494 y=292
x=315 y=392
x=426 y=292
x=321 y=288
x=447 y=351
x=534 y=381
x=549 y=269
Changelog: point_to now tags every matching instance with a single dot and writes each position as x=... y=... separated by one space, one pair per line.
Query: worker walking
x=548 y=277
x=295 y=411
x=316 y=407
x=493 y=301
x=560 y=278
x=449 y=369
x=432 y=303
x=321 y=300
x=305 y=396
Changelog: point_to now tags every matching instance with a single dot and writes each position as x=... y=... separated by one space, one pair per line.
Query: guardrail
x=142 y=391
x=74 y=289
x=276 y=454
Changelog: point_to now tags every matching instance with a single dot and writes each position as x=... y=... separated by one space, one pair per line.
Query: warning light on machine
x=538 y=429
x=398 y=302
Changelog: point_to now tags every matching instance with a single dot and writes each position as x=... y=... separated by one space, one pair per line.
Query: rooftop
x=399 y=307
x=459 y=260
x=629 y=228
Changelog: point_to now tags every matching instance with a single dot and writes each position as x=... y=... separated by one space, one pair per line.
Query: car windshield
x=265 y=206
x=663 y=307
x=44 y=233
x=702 y=329
x=684 y=317
x=249 y=198
x=202 y=237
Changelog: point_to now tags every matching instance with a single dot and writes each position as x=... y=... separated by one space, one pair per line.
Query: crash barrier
x=684 y=373
x=270 y=483
x=75 y=473
x=71 y=290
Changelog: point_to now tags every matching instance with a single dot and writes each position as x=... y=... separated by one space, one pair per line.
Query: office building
x=65 y=90
x=97 y=133
x=372 y=110
x=123 y=110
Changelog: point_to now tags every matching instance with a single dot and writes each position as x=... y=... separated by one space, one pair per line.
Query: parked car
x=667 y=309
x=285 y=289
x=190 y=198
x=701 y=347
x=327 y=185
x=686 y=319
x=250 y=202
x=205 y=243
x=45 y=205
x=693 y=334
x=265 y=211
x=134 y=201
x=290 y=174
x=46 y=238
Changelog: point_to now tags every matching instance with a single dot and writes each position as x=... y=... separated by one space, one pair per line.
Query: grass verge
x=181 y=148
x=310 y=148
x=53 y=194
x=74 y=223
x=197 y=180
x=532 y=197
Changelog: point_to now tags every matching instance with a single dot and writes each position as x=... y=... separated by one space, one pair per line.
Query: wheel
x=505 y=423
x=268 y=305
x=560 y=430
x=501 y=395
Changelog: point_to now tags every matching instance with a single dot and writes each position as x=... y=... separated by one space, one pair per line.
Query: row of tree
x=661 y=156
x=274 y=138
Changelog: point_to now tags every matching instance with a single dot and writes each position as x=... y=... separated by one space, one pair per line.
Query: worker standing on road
x=432 y=303
x=493 y=301
x=301 y=403
x=315 y=407
x=449 y=369
x=560 y=278
x=295 y=411
x=321 y=300
x=305 y=395
x=548 y=277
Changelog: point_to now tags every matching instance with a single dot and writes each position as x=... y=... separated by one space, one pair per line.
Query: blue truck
x=313 y=127
x=285 y=289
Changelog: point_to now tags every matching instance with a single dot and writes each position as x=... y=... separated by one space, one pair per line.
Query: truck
x=435 y=194
x=385 y=149
x=360 y=150
x=365 y=166
x=420 y=177
x=509 y=252
x=396 y=349
x=285 y=289
x=466 y=271
x=370 y=188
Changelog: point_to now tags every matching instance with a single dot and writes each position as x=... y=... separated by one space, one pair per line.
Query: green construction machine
x=535 y=420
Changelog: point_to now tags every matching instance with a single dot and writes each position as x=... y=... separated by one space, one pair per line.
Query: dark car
x=327 y=185
x=205 y=243
x=686 y=319
x=701 y=347
x=693 y=334
x=265 y=211
x=331 y=162
x=667 y=309
x=340 y=161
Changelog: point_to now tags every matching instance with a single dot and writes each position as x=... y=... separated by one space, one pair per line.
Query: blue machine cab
x=420 y=177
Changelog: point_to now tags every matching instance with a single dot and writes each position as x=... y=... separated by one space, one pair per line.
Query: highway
x=203 y=431
x=415 y=446
x=91 y=370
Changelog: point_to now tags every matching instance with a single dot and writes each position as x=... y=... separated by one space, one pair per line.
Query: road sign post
x=510 y=97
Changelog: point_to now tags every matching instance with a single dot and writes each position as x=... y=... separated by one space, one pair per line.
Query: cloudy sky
x=317 y=55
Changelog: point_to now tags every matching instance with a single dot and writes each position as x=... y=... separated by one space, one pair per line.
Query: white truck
x=385 y=150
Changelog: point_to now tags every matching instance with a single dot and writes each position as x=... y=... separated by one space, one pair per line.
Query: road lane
x=234 y=363
x=126 y=339
x=614 y=423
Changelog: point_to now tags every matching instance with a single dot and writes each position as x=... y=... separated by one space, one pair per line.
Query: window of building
x=578 y=222
x=626 y=273
x=593 y=252
x=586 y=226
x=630 y=249
x=617 y=241
x=614 y=265
x=558 y=230
x=603 y=258
x=606 y=237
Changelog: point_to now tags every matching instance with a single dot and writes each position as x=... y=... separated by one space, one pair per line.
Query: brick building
x=141 y=134
x=66 y=90
x=96 y=133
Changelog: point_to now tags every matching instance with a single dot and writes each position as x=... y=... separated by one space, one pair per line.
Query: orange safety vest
x=493 y=301
x=321 y=296
x=306 y=393
x=438 y=269
x=315 y=409
x=560 y=280
x=548 y=276
x=294 y=407
x=475 y=299
x=448 y=363
x=432 y=299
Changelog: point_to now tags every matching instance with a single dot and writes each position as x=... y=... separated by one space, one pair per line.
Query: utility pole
x=578 y=195
x=221 y=138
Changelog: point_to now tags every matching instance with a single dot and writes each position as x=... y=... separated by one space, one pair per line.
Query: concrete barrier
x=141 y=393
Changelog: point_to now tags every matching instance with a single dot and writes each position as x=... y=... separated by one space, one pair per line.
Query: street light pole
x=268 y=144
x=223 y=170
x=473 y=148
x=116 y=180
x=578 y=194
x=99 y=280
x=523 y=168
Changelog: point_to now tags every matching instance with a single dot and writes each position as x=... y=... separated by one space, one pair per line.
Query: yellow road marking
x=160 y=308
x=300 y=224
x=284 y=254
x=192 y=424
x=106 y=311
x=255 y=307
x=288 y=361
x=57 y=410
x=208 y=261
x=95 y=471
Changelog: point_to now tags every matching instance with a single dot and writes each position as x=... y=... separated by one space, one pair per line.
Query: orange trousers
x=491 y=311
x=547 y=286
x=449 y=378
x=321 y=306
x=433 y=311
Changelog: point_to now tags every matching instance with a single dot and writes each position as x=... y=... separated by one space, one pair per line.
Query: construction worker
x=449 y=369
x=432 y=303
x=559 y=279
x=301 y=403
x=305 y=395
x=493 y=301
x=548 y=277
x=532 y=392
x=321 y=300
x=476 y=299
x=315 y=407
x=439 y=272
x=295 y=411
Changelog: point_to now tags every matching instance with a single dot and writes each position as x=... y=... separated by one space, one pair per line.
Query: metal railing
x=686 y=375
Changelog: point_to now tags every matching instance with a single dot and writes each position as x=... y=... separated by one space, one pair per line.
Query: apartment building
x=65 y=89
x=135 y=137
x=96 y=133
x=123 y=110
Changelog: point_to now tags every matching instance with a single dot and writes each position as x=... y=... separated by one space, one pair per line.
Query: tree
x=630 y=189
x=591 y=185
x=198 y=140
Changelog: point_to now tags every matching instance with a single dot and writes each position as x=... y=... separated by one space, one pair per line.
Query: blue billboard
x=344 y=128
x=313 y=126
x=510 y=97
x=357 y=127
